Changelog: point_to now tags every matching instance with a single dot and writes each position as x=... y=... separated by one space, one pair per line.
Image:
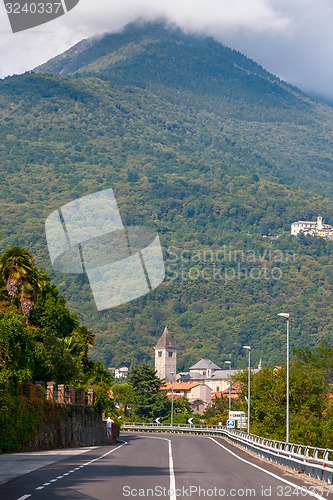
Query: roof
x=219 y=394
x=197 y=401
x=175 y=396
x=181 y=386
x=205 y=364
x=197 y=376
x=223 y=374
x=306 y=222
x=236 y=388
x=165 y=341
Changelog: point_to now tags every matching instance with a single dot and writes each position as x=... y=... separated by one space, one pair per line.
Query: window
x=170 y=354
x=218 y=388
x=159 y=354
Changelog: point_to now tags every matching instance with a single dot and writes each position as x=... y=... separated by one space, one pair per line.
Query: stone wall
x=68 y=426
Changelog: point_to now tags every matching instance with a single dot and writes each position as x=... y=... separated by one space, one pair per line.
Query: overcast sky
x=291 y=38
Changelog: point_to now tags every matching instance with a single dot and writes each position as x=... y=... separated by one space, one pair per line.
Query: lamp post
x=287 y=317
x=172 y=374
x=229 y=363
x=248 y=349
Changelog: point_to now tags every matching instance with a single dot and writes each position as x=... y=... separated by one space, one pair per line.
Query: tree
x=16 y=266
x=123 y=396
x=23 y=280
x=54 y=361
x=99 y=379
x=50 y=313
x=79 y=342
x=218 y=411
x=148 y=402
x=30 y=290
x=182 y=411
x=268 y=402
x=16 y=349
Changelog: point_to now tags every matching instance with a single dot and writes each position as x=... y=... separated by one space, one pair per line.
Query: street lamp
x=172 y=374
x=248 y=349
x=287 y=316
x=229 y=363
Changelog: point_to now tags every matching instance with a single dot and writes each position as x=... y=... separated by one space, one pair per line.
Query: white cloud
x=291 y=38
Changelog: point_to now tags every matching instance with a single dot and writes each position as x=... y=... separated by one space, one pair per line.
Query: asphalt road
x=162 y=466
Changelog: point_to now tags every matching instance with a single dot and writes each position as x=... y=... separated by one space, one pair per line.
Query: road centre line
x=171 y=468
x=301 y=488
x=52 y=481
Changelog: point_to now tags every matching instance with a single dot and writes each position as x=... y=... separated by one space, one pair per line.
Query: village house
x=312 y=228
x=203 y=382
x=121 y=372
x=199 y=395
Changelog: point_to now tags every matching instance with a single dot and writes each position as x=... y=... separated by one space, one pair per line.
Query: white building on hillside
x=312 y=228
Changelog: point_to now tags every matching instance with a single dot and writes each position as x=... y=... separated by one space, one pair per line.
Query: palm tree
x=30 y=289
x=23 y=280
x=79 y=342
x=16 y=264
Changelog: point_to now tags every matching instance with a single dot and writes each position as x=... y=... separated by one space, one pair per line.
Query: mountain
x=206 y=147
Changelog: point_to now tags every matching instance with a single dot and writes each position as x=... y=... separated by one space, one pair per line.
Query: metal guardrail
x=314 y=461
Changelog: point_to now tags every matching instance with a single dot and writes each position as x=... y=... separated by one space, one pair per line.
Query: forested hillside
x=201 y=144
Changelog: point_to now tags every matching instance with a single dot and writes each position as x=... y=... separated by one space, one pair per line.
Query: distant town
x=203 y=383
x=312 y=228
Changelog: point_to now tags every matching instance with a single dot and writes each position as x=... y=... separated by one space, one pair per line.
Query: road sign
x=190 y=421
x=157 y=420
x=236 y=415
x=230 y=424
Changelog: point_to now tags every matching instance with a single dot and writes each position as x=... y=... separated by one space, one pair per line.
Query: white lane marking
x=172 y=474
x=76 y=469
x=171 y=468
x=24 y=497
x=301 y=488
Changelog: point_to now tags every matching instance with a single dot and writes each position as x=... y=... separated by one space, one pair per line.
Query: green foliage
x=16 y=348
x=205 y=146
x=50 y=313
x=54 y=361
x=310 y=410
x=182 y=411
x=123 y=395
x=23 y=280
x=96 y=377
x=19 y=416
x=52 y=345
x=218 y=411
x=148 y=401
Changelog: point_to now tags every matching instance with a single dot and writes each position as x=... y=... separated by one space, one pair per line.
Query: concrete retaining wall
x=68 y=426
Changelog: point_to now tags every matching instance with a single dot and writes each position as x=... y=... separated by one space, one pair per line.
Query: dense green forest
x=40 y=341
x=206 y=147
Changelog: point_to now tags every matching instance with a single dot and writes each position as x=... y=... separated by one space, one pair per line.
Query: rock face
x=69 y=426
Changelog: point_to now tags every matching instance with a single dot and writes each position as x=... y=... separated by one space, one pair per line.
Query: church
x=204 y=381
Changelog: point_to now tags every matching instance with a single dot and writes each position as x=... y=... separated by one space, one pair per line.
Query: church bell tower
x=166 y=357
